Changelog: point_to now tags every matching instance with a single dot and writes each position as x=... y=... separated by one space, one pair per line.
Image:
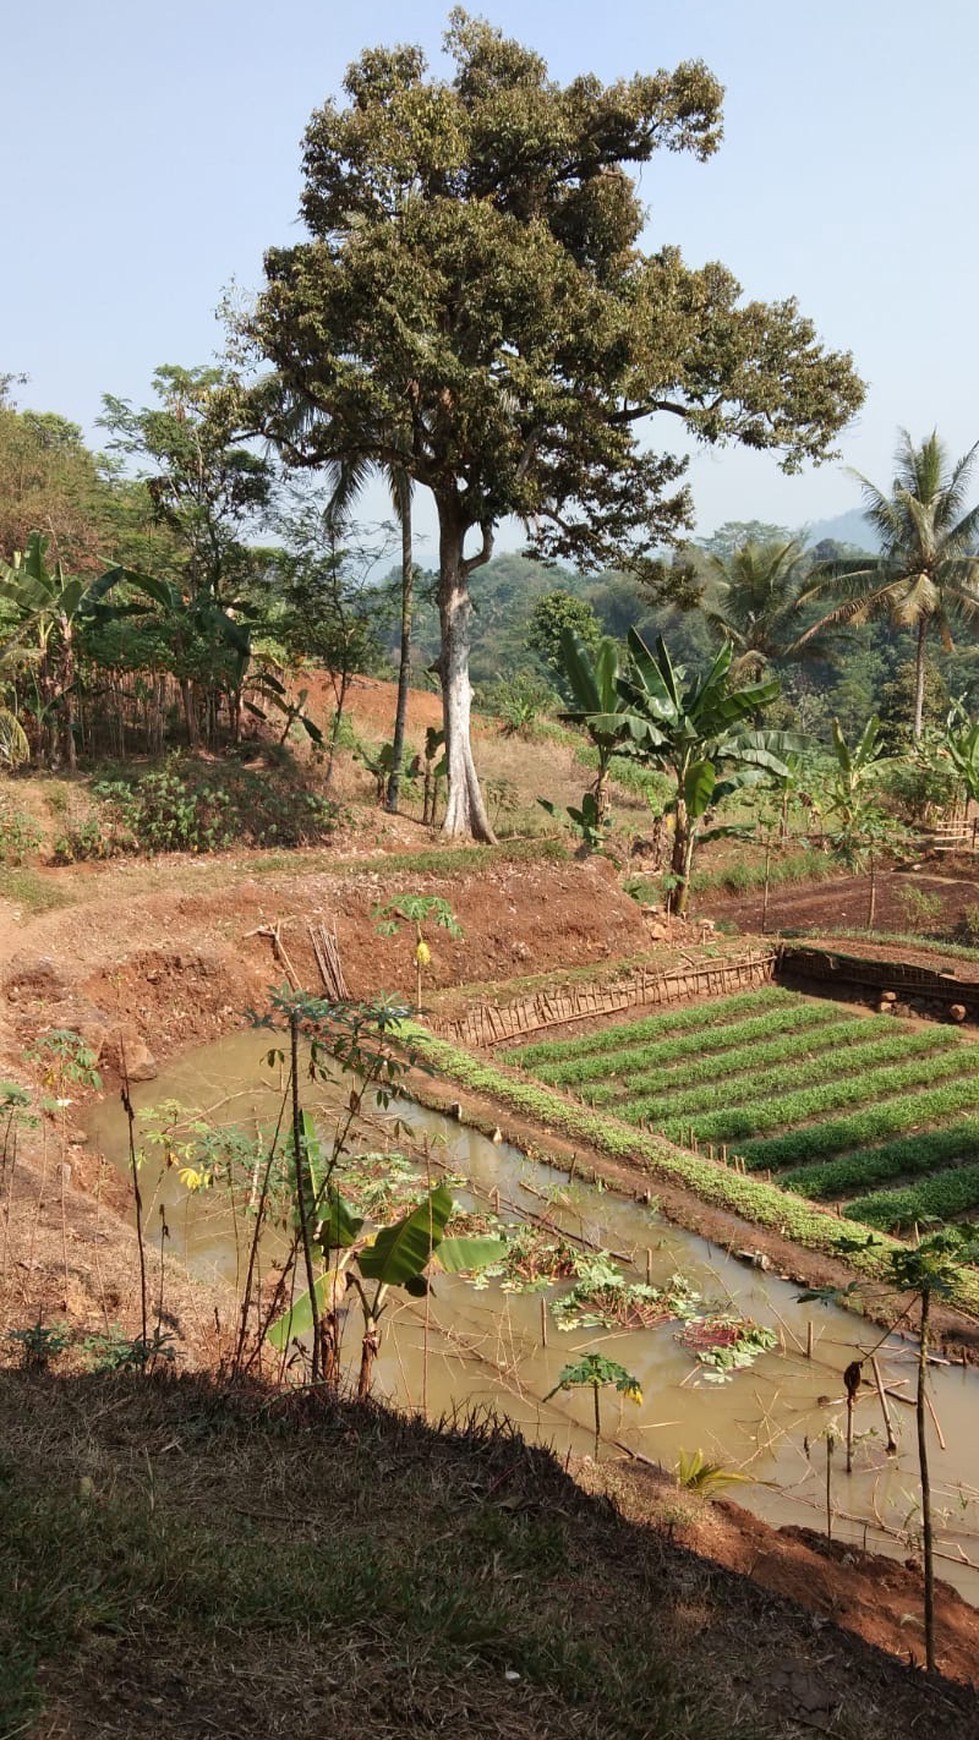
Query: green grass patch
x=177 y=1559
x=32 y=890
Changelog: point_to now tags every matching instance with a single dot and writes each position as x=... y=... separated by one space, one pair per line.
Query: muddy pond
x=492 y=1347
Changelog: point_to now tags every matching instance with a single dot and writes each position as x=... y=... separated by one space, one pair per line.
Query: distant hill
x=848 y=528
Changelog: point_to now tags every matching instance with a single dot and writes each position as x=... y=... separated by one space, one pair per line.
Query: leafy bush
x=20 y=836
x=190 y=806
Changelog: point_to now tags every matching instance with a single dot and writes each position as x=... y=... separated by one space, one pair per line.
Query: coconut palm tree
x=927 y=574
x=757 y=590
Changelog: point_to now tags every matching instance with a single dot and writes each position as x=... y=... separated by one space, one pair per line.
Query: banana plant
x=46 y=606
x=397 y=1256
x=701 y=734
x=592 y=675
x=961 y=744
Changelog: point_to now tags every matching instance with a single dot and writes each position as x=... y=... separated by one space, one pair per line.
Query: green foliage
x=595 y=1371
x=602 y=1298
x=20 y=835
x=586 y=819
x=552 y=614
x=40 y=1343
x=64 y=1060
x=192 y=806
x=748 y=1080
x=698 y=734
x=521 y=702
x=940 y=1197
x=117 y=1352
x=653 y=1027
x=795 y=1107
x=726 y=1343
x=925 y=1152
x=705 y=1063
x=695 y=1474
x=473 y=271
x=889 y=1117
x=924 y=577
x=921 y=909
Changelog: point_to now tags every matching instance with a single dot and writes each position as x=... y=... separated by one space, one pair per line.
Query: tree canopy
x=473 y=304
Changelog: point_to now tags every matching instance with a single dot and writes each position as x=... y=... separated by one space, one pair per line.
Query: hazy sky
x=152 y=152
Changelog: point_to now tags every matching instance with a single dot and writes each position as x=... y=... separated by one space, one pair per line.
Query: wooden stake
x=929 y=1404
x=885 y=1410
x=809 y=1339
x=649 y=1268
x=543 y=1321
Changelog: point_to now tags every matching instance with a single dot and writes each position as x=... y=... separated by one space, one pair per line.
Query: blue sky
x=152 y=152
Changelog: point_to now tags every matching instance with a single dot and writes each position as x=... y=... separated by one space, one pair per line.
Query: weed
x=40 y=1344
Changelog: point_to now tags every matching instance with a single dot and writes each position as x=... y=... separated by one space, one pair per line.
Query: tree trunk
x=919 y=682
x=190 y=713
x=683 y=844
x=404 y=665
x=926 y=1529
x=465 y=811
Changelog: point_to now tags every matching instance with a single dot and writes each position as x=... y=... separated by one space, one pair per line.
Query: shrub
x=188 y=806
x=20 y=836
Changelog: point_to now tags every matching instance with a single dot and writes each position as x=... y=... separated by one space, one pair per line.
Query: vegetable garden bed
x=833 y=1107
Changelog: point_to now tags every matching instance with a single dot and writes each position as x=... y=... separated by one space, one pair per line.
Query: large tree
x=927 y=574
x=473 y=293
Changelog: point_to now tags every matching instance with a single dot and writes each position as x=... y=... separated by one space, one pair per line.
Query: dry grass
x=180 y=1561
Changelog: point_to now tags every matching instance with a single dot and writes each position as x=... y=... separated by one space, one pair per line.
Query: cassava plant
x=417 y=910
x=595 y=1372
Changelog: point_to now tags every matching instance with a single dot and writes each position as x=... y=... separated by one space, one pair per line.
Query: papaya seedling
x=417 y=910
x=596 y=1371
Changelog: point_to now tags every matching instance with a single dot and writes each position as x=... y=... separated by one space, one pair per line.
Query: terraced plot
x=879 y=1117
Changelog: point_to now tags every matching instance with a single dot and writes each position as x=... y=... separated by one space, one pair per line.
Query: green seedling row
x=597 y=1066
x=788 y=1046
x=893 y=1117
x=790 y=1077
x=762 y=1116
x=906 y=1157
x=671 y=1021
x=746 y=1196
x=940 y=1198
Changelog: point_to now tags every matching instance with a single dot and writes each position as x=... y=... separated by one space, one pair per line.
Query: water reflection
x=496 y=1349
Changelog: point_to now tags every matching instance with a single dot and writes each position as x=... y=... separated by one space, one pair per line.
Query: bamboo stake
x=885 y=1410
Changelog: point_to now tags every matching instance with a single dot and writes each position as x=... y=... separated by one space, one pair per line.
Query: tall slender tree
x=927 y=574
x=474 y=292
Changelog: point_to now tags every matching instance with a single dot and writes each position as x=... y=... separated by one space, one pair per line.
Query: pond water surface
x=487 y=1347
